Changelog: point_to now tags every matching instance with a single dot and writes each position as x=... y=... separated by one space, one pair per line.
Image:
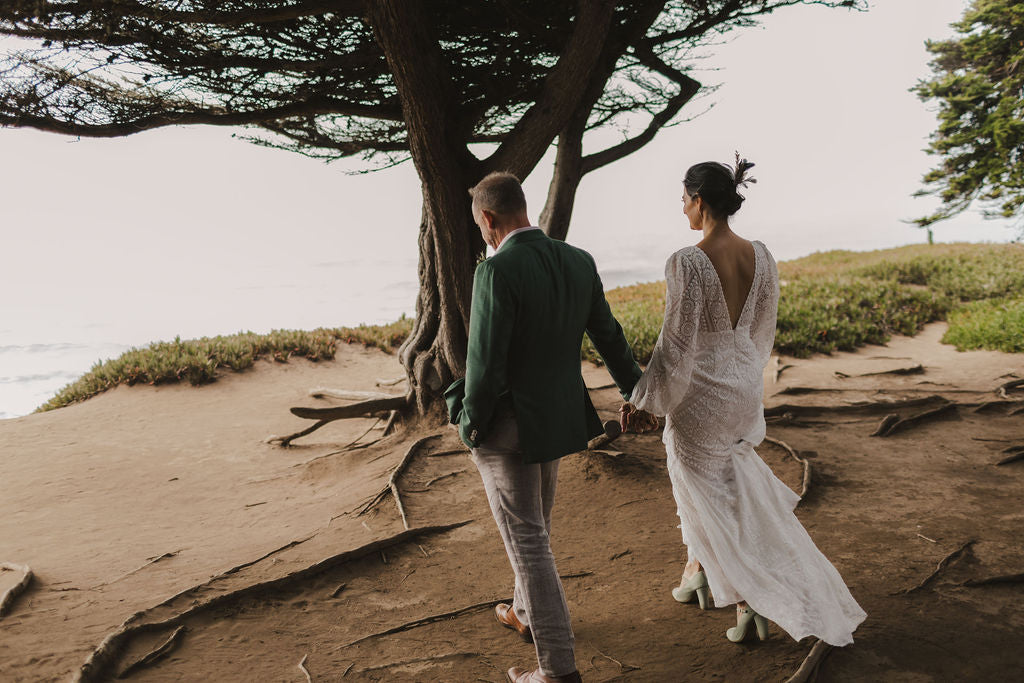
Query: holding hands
x=632 y=419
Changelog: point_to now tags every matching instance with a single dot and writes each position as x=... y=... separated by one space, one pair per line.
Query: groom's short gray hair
x=500 y=193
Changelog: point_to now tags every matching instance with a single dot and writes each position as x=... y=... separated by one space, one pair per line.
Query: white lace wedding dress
x=736 y=516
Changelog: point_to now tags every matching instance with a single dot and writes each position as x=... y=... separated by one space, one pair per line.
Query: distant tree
x=384 y=79
x=978 y=82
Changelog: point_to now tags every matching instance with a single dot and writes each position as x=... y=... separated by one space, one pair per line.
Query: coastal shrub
x=640 y=309
x=817 y=316
x=911 y=262
x=996 y=324
x=385 y=337
x=982 y=273
x=197 y=361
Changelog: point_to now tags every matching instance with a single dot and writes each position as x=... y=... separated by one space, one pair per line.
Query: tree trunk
x=435 y=352
x=570 y=164
x=449 y=242
x=565 y=180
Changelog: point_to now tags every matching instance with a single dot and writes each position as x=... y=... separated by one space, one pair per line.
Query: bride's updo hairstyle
x=718 y=185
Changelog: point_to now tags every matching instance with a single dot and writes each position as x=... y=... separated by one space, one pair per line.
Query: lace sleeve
x=667 y=377
x=766 y=309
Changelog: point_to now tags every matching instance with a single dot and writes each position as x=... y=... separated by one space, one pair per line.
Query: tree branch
x=267 y=15
x=688 y=87
x=560 y=96
x=309 y=107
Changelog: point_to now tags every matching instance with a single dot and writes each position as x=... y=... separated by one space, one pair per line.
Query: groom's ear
x=489 y=218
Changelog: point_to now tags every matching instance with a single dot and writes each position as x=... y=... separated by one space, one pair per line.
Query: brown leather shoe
x=517 y=675
x=506 y=616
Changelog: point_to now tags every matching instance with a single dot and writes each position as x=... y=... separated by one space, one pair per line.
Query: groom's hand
x=625 y=410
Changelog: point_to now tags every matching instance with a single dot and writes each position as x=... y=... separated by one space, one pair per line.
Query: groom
x=523 y=403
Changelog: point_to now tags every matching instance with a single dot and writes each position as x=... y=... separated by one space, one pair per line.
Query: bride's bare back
x=733 y=259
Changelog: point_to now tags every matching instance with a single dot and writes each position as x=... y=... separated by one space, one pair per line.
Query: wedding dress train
x=736 y=517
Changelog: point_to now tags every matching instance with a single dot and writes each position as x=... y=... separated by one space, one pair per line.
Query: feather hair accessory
x=739 y=176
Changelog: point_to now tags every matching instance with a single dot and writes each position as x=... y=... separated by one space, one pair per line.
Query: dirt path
x=135 y=496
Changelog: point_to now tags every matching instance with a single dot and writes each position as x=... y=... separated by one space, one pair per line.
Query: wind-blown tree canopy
x=386 y=80
x=978 y=82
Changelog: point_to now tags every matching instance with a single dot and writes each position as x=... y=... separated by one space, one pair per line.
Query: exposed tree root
x=361 y=409
x=351 y=446
x=1012 y=385
x=275 y=551
x=911 y=370
x=391 y=382
x=886 y=424
x=796 y=391
x=1015 y=453
x=809 y=667
x=988 y=581
x=575 y=575
x=423 y=621
x=418 y=660
x=392 y=416
x=98 y=665
x=347 y=394
x=286 y=441
x=861 y=407
x=943 y=563
x=806 y=483
x=456 y=451
x=304 y=670
x=398 y=502
x=155 y=655
x=786 y=420
x=426 y=486
x=153 y=560
x=779 y=369
x=623 y=667
x=9 y=596
x=392 y=484
x=890 y=426
x=369 y=408
x=612 y=431
x=1011 y=407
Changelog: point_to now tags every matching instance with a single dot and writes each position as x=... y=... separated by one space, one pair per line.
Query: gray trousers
x=521 y=497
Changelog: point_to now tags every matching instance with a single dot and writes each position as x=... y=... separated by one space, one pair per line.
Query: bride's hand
x=646 y=422
x=641 y=421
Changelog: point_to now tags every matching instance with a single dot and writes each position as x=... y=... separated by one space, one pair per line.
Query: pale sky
x=157 y=226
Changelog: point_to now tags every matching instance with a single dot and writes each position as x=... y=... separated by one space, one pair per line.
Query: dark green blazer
x=532 y=302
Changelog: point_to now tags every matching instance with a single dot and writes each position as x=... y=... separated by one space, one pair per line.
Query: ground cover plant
x=198 y=360
x=836 y=300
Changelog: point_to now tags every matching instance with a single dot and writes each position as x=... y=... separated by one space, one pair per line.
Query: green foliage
x=982 y=273
x=996 y=324
x=640 y=310
x=825 y=315
x=978 y=82
x=198 y=360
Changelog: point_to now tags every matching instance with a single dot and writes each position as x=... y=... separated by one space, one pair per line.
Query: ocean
x=50 y=339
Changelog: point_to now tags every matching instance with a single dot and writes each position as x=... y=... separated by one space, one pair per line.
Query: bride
x=743 y=541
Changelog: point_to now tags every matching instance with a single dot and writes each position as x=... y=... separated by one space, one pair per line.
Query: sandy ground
x=167 y=502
